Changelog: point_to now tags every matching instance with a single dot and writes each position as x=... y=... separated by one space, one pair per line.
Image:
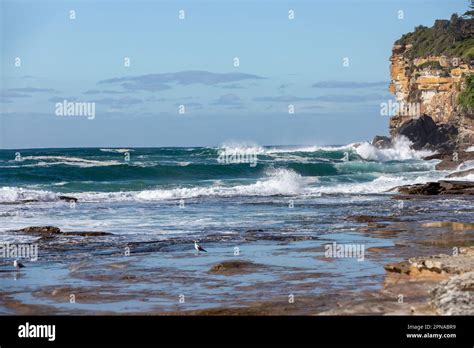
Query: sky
x=200 y=73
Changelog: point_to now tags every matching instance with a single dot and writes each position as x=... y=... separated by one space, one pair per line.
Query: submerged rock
x=259 y=234
x=68 y=198
x=87 y=233
x=43 y=230
x=51 y=231
x=231 y=267
x=370 y=219
x=453 y=225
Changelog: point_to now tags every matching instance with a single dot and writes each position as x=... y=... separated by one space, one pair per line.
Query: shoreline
x=108 y=283
x=277 y=272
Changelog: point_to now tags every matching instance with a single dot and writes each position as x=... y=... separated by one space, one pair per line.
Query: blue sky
x=190 y=62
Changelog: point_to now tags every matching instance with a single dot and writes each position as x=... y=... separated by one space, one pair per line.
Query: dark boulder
x=430 y=188
x=382 y=142
x=87 y=233
x=67 y=198
x=43 y=230
x=442 y=187
x=424 y=133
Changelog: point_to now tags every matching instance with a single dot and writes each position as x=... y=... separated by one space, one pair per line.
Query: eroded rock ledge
x=51 y=231
x=442 y=264
x=455 y=294
x=442 y=187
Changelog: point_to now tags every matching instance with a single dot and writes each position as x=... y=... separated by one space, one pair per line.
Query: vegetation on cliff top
x=452 y=38
x=466 y=97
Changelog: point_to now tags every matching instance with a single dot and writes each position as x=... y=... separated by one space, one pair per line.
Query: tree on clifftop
x=470 y=13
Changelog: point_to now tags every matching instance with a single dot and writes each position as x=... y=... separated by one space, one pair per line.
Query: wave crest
x=401 y=151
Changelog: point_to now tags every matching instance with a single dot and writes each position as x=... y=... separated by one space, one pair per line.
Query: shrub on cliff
x=453 y=38
x=466 y=97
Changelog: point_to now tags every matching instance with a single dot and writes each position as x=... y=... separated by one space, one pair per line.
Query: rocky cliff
x=432 y=75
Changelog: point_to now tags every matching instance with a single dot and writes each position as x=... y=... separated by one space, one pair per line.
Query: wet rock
x=231 y=267
x=431 y=188
x=96 y=294
x=49 y=232
x=24 y=201
x=461 y=173
x=87 y=233
x=377 y=250
x=362 y=218
x=371 y=220
x=67 y=198
x=457 y=187
x=259 y=234
x=424 y=133
x=453 y=160
x=455 y=226
x=376 y=225
x=254 y=231
x=441 y=264
x=382 y=142
x=398 y=267
x=442 y=187
x=438 y=156
x=42 y=230
x=455 y=296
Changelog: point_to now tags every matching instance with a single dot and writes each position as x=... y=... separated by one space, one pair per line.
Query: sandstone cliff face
x=431 y=85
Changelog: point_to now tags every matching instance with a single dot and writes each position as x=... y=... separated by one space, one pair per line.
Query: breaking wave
x=400 y=151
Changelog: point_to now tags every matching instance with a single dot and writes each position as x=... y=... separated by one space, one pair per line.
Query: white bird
x=198 y=247
x=18 y=264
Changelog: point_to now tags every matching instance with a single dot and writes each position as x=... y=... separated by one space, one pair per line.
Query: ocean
x=278 y=207
x=192 y=191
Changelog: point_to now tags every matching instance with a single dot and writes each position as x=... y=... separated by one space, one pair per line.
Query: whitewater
x=103 y=175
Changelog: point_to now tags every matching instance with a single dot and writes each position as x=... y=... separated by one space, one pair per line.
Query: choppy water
x=163 y=192
x=280 y=209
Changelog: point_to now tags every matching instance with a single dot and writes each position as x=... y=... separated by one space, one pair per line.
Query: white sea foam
x=382 y=184
x=277 y=182
x=313 y=148
x=401 y=151
x=15 y=194
x=72 y=161
x=117 y=150
x=61 y=183
x=469 y=177
x=250 y=147
x=242 y=148
x=464 y=167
